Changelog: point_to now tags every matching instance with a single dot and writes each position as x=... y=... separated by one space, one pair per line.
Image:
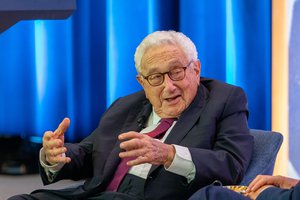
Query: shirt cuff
x=182 y=163
x=50 y=170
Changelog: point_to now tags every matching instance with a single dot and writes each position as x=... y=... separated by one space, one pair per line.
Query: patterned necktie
x=123 y=168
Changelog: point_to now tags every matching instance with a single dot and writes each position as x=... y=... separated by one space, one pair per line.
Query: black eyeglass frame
x=169 y=74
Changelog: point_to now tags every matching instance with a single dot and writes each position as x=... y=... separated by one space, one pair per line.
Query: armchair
x=266 y=147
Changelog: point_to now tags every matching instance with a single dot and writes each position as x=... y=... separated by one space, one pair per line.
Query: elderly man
x=177 y=135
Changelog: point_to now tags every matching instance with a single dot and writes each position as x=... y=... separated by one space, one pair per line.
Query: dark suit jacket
x=275 y=193
x=214 y=128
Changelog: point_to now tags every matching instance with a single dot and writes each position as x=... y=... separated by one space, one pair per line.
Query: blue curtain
x=234 y=44
x=79 y=66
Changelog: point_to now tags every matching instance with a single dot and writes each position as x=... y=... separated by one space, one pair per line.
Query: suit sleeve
x=275 y=193
x=232 y=145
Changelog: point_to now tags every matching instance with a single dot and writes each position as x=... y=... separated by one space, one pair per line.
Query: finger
x=48 y=135
x=256 y=185
x=54 y=143
x=62 y=128
x=130 y=135
x=132 y=153
x=259 y=181
x=57 y=155
x=58 y=159
x=252 y=184
x=55 y=152
x=132 y=144
x=139 y=160
x=249 y=188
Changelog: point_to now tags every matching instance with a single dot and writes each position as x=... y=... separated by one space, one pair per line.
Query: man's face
x=170 y=98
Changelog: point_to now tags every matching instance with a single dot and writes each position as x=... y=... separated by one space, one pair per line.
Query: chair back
x=266 y=147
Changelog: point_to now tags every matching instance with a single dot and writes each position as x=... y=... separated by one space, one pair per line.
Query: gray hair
x=165 y=37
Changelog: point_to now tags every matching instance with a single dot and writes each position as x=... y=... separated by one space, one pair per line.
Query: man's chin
x=172 y=114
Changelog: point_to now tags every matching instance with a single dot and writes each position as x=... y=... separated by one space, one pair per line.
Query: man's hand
x=53 y=144
x=262 y=182
x=145 y=149
x=278 y=181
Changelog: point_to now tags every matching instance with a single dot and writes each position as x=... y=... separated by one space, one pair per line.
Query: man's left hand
x=145 y=149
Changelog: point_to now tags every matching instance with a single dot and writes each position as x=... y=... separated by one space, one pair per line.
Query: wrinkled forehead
x=161 y=58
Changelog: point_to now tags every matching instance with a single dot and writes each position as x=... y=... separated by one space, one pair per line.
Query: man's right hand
x=278 y=181
x=53 y=144
x=262 y=182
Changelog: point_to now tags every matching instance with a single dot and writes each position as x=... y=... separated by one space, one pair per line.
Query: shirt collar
x=155 y=118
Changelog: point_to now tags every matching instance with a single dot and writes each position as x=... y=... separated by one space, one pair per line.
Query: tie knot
x=169 y=121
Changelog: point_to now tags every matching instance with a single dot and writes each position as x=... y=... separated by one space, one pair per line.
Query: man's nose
x=168 y=82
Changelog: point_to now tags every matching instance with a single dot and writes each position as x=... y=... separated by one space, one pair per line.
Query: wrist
x=170 y=156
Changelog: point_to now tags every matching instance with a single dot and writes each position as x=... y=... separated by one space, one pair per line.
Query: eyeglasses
x=176 y=74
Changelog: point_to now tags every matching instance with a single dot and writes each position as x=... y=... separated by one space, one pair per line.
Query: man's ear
x=197 y=67
x=139 y=79
x=142 y=83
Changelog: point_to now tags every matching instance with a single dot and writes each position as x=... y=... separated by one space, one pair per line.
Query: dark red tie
x=123 y=168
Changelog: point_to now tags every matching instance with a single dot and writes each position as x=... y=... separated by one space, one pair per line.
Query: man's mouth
x=172 y=98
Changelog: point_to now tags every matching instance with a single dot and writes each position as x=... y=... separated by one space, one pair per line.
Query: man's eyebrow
x=171 y=64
